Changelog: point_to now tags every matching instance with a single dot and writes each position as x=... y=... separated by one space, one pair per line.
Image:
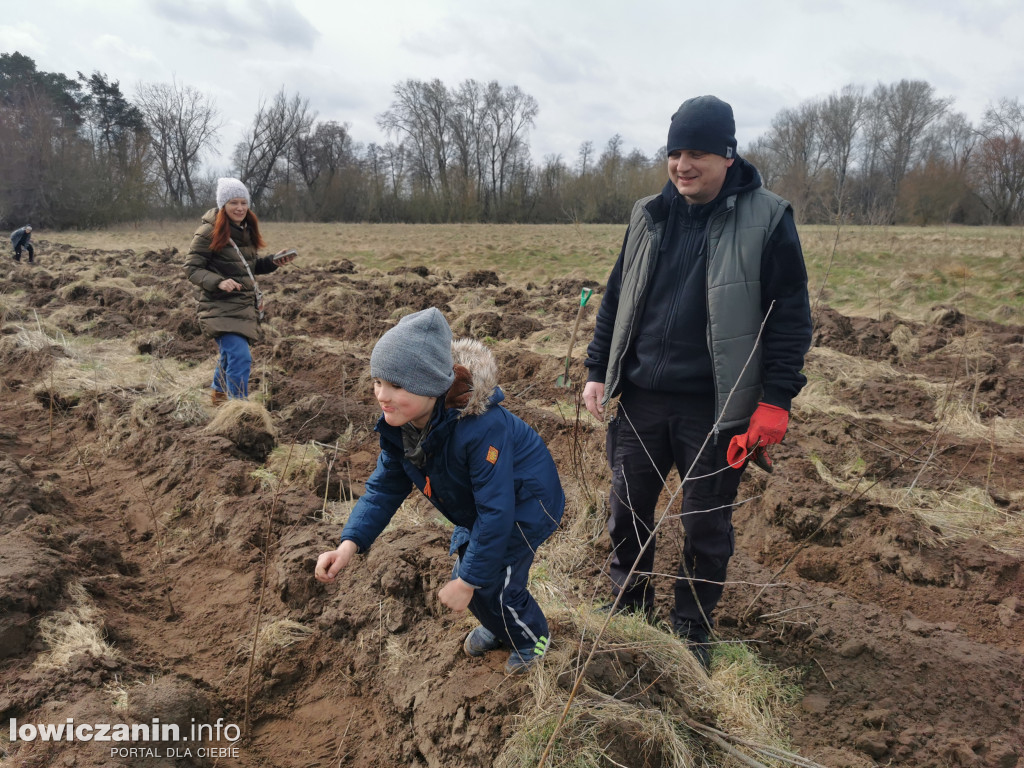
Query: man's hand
x=767 y=427
x=329 y=563
x=228 y=285
x=456 y=595
x=593 y=394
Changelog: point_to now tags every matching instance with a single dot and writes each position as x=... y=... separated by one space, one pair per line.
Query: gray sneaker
x=480 y=641
x=519 y=662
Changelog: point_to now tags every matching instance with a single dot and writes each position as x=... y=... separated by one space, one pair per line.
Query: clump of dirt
x=880 y=565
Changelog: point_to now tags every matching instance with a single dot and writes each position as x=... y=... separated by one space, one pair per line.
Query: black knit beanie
x=416 y=354
x=703 y=124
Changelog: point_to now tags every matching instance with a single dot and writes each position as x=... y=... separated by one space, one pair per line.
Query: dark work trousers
x=508 y=610
x=28 y=247
x=651 y=432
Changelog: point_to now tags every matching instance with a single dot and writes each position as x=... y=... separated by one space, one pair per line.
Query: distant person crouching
x=222 y=263
x=22 y=238
x=444 y=431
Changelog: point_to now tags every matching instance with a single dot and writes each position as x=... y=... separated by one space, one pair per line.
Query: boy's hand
x=329 y=563
x=456 y=595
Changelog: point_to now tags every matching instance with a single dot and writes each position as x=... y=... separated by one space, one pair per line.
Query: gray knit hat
x=229 y=189
x=416 y=354
x=704 y=124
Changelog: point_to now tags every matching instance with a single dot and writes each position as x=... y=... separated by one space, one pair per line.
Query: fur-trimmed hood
x=490 y=475
x=476 y=378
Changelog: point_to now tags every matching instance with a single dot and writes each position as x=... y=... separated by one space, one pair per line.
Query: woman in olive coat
x=222 y=264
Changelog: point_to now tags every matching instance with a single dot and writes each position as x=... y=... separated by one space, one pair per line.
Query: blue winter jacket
x=486 y=470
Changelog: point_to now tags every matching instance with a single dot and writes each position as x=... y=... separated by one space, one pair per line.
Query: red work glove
x=767 y=427
x=736 y=453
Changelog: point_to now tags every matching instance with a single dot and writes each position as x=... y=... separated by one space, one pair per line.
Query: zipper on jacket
x=662 y=361
x=719 y=406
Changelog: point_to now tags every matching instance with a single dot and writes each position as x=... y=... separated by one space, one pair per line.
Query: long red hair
x=222 y=230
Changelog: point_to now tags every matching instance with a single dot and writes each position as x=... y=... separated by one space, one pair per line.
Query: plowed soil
x=881 y=563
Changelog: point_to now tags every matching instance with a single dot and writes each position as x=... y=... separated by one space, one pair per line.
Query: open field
x=156 y=554
x=866 y=270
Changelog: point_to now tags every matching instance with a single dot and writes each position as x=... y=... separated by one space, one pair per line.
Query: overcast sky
x=596 y=67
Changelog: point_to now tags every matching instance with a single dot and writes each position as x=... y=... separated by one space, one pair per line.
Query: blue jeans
x=233 y=365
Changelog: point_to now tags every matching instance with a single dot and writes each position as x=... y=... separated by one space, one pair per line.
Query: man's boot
x=697 y=639
x=217 y=397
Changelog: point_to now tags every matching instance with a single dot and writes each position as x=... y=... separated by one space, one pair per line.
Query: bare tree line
x=79 y=152
x=899 y=154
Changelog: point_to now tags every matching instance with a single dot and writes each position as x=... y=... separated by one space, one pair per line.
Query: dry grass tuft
x=588 y=735
x=570 y=549
x=906 y=343
x=120 y=692
x=955 y=514
x=337 y=512
x=296 y=462
x=417 y=511
x=753 y=696
x=963 y=513
x=237 y=415
x=280 y=634
x=74 y=631
x=184 y=404
x=828 y=370
x=742 y=698
x=42 y=336
x=398 y=658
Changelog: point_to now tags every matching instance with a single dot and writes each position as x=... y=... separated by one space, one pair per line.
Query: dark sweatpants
x=507 y=608
x=651 y=432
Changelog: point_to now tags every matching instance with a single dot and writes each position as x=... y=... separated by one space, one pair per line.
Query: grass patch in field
x=756 y=693
x=874 y=270
x=294 y=462
x=743 y=698
x=906 y=270
x=953 y=514
x=828 y=369
x=237 y=414
x=75 y=630
x=280 y=634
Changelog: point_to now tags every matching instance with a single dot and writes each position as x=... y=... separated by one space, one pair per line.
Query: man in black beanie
x=679 y=339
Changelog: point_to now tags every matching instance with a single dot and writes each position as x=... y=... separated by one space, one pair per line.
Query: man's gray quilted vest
x=738 y=234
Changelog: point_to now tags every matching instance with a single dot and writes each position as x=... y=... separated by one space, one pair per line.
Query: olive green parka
x=220 y=311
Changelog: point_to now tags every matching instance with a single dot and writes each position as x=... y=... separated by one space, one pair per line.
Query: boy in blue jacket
x=444 y=431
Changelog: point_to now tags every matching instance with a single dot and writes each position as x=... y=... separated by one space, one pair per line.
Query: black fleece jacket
x=670 y=352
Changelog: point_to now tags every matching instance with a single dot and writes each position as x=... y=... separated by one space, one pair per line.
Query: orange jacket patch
x=492 y=455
